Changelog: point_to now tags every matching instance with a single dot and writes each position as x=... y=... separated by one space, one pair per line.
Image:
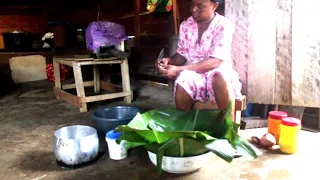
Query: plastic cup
x=116 y=151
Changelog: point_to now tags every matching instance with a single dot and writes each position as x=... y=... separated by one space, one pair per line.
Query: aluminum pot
x=74 y=145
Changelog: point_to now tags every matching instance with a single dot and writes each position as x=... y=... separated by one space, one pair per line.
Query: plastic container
x=108 y=118
x=116 y=151
x=274 y=121
x=290 y=128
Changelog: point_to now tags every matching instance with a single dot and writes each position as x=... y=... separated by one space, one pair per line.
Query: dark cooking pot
x=80 y=35
x=77 y=37
x=16 y=39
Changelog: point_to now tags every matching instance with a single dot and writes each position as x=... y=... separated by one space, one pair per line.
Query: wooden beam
x=107 y=96
x=68 y=63
x=72 y=86
x=69 y=98
x=83 y=63
x=110 y=87
x=137 y=22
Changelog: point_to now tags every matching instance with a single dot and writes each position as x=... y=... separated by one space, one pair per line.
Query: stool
x=240 y=105
x=80 y=100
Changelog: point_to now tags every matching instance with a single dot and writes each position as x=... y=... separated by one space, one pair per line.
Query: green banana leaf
x=175 y=133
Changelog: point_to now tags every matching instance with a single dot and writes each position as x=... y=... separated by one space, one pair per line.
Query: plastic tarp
x=104 y=33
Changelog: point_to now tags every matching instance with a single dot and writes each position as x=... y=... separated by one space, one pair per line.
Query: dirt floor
x=31 y=114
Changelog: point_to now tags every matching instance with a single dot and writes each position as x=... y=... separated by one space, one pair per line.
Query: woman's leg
x=223 y=85
x=223 y=90
x=183 y=99
x=189 y=87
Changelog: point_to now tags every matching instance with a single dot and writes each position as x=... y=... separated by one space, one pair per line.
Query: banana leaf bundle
x=174 y=133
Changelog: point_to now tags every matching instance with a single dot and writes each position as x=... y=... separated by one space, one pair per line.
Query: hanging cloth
x=159 y=5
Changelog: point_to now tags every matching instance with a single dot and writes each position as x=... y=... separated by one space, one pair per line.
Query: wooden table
x=80 y=100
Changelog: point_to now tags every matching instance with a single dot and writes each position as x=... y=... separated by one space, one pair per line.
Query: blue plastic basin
x=108 y=118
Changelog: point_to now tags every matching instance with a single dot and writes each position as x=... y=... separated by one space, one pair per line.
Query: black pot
x=80 y=36
x=77 y=37
x=16 y=40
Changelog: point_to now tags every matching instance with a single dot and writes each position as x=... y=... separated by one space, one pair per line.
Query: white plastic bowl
x=181 y=165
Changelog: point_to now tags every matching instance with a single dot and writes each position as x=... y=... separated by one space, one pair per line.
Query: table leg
x=126 y=80
x=96 y=77
x=79 y=84
x=56 y=71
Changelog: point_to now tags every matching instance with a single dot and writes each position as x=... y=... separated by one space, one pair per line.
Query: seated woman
x=202 y=65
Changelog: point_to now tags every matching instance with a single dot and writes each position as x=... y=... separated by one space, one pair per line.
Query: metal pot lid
x=79 y=30
x=17 y=32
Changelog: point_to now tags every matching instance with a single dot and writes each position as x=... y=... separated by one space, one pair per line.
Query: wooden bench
x=240 y=105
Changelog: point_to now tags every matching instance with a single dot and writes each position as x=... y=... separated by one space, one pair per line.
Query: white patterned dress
x=215 y=42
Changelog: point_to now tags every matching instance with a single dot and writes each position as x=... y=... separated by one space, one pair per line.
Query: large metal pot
x=77 y=144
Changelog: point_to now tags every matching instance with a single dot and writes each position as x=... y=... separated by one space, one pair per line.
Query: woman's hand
x=161 y=64
x=170 y=71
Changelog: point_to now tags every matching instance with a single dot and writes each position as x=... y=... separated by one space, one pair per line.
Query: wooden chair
x=240 y=105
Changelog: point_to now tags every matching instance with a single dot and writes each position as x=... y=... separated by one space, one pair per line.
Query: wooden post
x=175 y=16
x=137 y=22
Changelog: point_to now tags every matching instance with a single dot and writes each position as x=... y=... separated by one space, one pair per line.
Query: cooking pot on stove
x=16 y=39
x=74 y=145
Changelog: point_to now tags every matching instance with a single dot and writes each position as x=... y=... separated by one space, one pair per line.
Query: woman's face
x=203 y=10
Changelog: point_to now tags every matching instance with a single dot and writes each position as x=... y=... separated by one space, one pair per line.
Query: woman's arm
x=177 y=60
x=220 y=51
x=203 y=66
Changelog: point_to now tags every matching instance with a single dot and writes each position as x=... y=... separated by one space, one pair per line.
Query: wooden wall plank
x=237 y=12
x=306 y=54
x=283 y=53
x=261 y=48
x=31 y=24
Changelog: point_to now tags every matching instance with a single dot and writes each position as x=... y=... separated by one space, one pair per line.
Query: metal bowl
x=108 y=118
x=74 y=145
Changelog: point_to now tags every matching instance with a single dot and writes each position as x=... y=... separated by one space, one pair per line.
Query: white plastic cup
x=116 y=151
